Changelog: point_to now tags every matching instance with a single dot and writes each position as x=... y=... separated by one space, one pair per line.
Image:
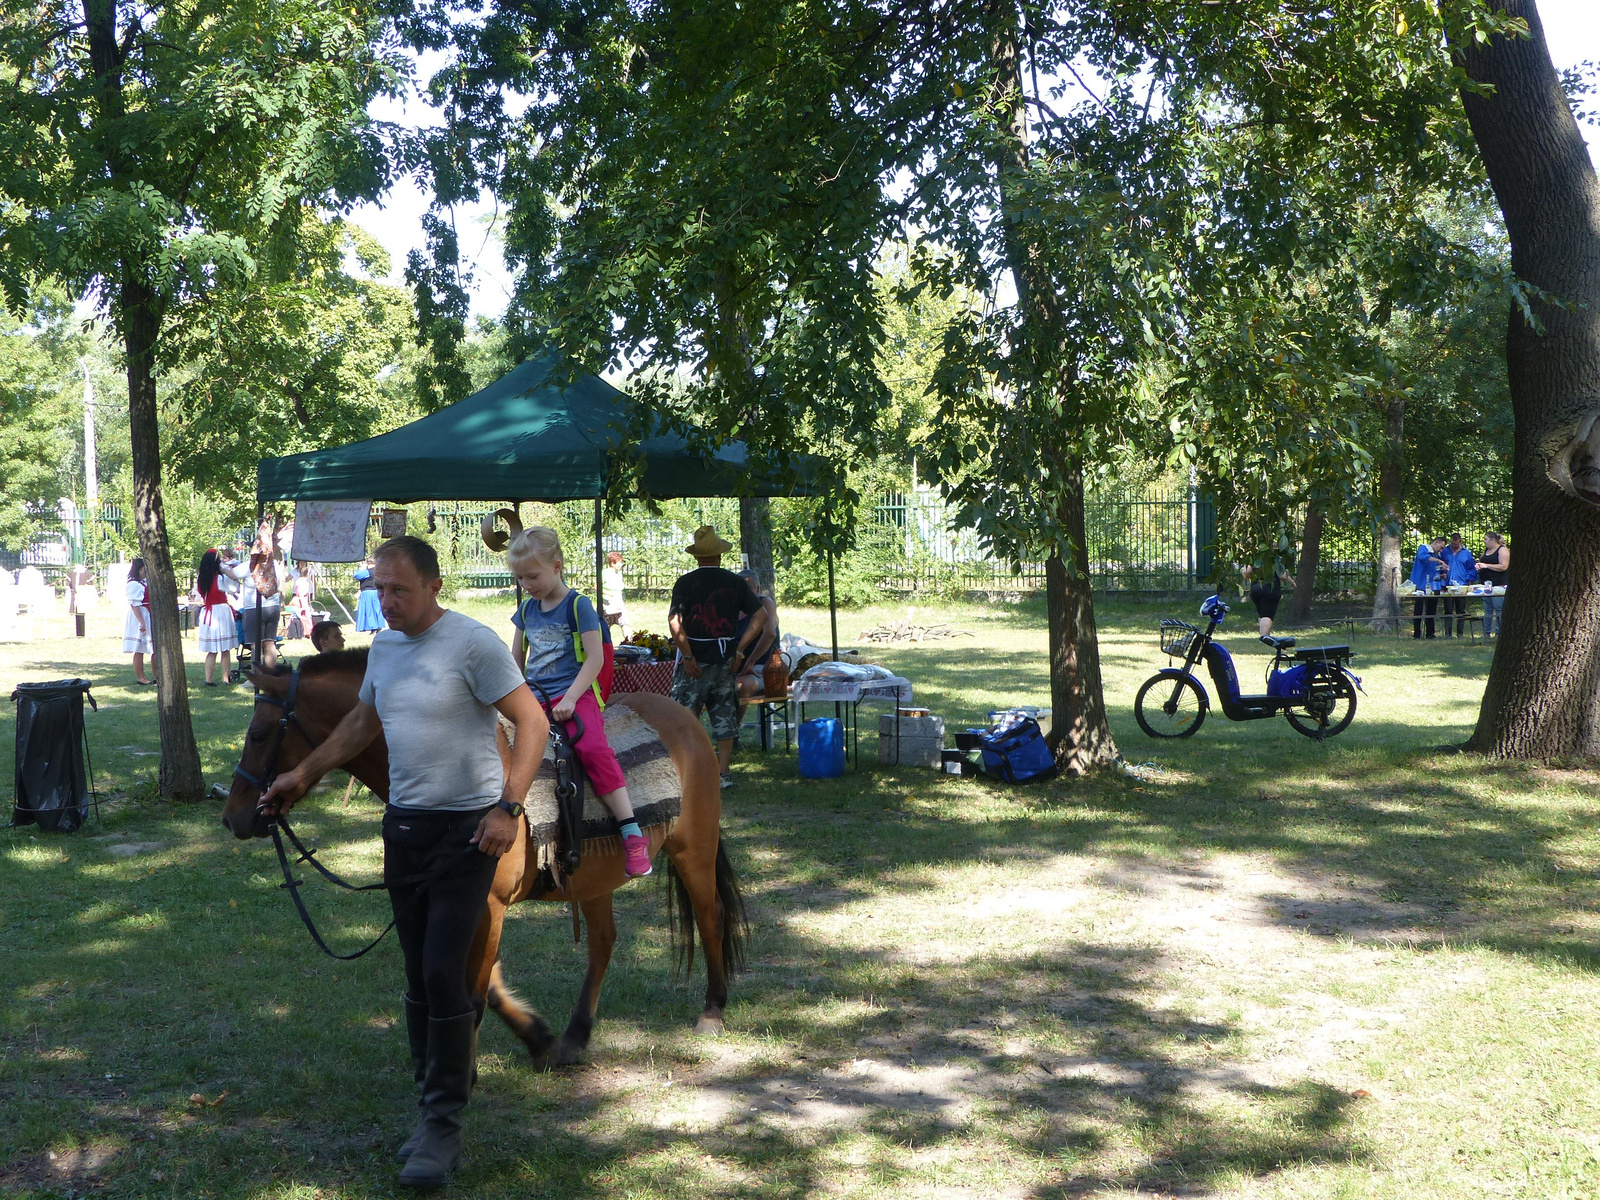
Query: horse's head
x=284 y=729
x=269 y=745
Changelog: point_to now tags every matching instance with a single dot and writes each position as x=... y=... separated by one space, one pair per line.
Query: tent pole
x=516 y=507
x=599 y=555
x=255 y=650
x=833 y=607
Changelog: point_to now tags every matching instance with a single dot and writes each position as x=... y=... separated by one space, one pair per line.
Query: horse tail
x=735 y=924
x=680 y=915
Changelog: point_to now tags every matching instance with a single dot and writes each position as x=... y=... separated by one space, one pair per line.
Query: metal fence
x=1149 y=539
x=68 y=537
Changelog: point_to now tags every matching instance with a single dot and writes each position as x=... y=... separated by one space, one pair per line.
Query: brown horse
x=698 y=869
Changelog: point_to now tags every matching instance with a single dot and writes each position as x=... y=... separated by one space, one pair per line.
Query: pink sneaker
x=637 y=850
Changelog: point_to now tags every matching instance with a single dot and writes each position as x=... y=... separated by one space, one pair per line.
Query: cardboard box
x=917 y=727
x=913 y=751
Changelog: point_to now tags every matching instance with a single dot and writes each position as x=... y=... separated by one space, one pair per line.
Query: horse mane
x=330 y=661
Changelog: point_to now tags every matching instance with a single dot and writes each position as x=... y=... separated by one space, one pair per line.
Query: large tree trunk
x=1305 y=578
x=1543 y=695
x=1391 y=497
x=1079 y=733
x=139 y=316
x=180 y=777
x=755 y=538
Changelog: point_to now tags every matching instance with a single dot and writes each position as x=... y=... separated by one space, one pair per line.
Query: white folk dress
x=136 y=632
x=215 y=630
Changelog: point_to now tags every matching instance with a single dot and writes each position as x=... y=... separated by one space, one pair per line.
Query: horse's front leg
x=483 y=963
x=601 y=927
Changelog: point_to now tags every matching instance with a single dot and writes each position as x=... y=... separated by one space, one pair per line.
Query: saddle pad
x=653 y=788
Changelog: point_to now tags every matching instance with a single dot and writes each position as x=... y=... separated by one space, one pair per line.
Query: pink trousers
x=594 y=752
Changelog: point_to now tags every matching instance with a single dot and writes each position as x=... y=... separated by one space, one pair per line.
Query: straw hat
x=707 y=544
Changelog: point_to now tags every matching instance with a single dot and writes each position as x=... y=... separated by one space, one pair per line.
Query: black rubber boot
x=417 y=1035
x=446 y=1084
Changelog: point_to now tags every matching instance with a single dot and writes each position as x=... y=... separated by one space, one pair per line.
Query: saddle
x=580 y=826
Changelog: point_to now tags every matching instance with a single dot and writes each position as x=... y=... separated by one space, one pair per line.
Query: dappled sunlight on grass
x=1253 y=965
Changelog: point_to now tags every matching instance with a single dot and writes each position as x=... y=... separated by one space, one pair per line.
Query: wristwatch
x=511 y=806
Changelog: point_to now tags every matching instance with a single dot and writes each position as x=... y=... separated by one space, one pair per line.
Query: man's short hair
x=422 y=555
x=1440 y=538
x=320 y=631
x=1455 y=537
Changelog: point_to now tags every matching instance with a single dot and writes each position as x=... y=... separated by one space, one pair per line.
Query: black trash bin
x=52 y=789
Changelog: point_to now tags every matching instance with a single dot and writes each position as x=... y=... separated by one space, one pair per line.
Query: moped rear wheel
x=1170 y=706
x=1329 y=709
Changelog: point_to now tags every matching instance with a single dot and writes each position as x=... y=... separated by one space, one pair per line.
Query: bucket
x=822 y=748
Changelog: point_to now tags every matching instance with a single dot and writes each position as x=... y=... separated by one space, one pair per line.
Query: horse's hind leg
x=697 y=875
x=602 y=937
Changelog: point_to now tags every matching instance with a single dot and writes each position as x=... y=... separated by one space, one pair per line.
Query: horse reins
x=278 y=823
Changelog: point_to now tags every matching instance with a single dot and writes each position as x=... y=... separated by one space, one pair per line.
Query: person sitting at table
x=1426 y=570
x=1492 y=571
x=1461 y=569
x=750 y=673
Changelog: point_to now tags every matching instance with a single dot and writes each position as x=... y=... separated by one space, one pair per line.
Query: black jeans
x=436 y=928
x=1455 y=607
x=1432 y=603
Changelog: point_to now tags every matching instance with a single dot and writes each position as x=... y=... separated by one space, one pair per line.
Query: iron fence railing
x=1150 y=539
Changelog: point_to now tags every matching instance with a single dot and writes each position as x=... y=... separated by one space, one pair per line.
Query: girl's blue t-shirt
x=552 y=661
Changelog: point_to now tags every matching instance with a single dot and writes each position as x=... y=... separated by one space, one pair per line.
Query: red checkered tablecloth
x=642 y=677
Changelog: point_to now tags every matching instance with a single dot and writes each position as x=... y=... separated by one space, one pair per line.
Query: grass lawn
x=1251 y=966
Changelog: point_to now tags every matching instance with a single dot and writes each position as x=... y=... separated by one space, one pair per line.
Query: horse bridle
x=270 y=772
x=278 y=826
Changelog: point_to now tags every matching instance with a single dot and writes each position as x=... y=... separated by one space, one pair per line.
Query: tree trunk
x=1391 y=498
x=755 y=538
x=1079 y=733
x=1543 y=696
x=1305 y=577
x=179 y=777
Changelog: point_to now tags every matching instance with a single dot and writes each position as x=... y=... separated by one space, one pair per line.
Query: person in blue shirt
x=1427 y=569
x=1461 y=567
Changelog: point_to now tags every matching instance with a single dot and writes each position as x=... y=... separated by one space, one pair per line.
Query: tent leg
x=255 y=650
x=833 y=608
x=599 y=555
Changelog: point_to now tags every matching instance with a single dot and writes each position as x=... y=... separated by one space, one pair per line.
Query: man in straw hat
x=704 y=620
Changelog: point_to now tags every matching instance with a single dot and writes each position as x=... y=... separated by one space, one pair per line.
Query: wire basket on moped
x=1317 y=693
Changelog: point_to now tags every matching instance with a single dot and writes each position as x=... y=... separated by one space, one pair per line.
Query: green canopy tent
x=526 y=437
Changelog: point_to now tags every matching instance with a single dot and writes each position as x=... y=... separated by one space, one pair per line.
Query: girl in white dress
x=305 y=590
x=136 y=628
x=216 y=633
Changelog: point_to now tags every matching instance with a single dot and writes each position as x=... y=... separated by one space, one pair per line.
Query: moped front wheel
x=1328 y=710
x=1170 y=705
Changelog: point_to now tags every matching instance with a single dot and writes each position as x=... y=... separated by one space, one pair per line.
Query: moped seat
x=1278 y=643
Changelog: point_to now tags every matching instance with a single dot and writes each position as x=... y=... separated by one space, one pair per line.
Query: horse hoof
x=564 y=1054
x=709 y=1025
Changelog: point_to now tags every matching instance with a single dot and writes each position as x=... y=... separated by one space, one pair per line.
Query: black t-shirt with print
x=710 y=601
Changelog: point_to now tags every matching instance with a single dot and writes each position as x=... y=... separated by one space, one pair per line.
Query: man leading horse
x=434 y=681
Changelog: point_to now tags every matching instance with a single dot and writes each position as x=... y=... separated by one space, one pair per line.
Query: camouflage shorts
x=714 y=691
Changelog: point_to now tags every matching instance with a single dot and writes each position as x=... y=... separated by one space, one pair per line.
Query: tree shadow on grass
x=859 y=1060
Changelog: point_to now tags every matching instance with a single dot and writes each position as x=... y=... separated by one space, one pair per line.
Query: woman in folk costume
x=136 y=628
x=305 y=590
x=369 y=609
x=216 y=631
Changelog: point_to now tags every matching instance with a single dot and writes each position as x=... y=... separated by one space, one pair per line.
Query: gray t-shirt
x=435 y=694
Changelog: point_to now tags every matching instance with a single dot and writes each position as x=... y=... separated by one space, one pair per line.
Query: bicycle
x=1317 y=695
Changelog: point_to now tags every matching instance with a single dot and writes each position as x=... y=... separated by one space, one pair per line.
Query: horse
x=705 y=891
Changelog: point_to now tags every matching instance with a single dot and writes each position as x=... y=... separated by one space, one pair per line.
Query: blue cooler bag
x=1017 y=752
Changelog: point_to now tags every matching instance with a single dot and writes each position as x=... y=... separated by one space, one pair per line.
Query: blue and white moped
x=1317 y=694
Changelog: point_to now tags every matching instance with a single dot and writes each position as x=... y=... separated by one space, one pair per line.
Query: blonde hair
x=537 y=545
